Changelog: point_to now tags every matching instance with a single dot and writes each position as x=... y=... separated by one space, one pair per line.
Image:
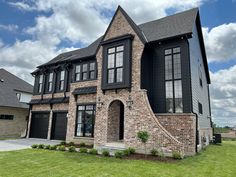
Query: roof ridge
x=168 y=16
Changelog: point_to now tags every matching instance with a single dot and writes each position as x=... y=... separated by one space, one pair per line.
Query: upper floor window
x=50 y=80
x=173 y=82
x=200 y=108
x=200 y=75
x=85 y=71
x=40 y=86
x=6 y=117
x=115 y=64
x=62 y=80
x=18 y=95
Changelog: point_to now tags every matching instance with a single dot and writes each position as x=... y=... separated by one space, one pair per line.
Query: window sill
x=84 y=80
x=83 y=137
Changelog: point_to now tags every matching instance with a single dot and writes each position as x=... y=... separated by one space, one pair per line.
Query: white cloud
x=11 y=27
x=220 y=42
x=22 y=6
x=223 y=96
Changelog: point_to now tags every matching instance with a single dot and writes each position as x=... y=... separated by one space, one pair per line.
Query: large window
x=85 y=120
x=173 y=82
x=85 y=71
x=62 y=80
x=6 y=117
x=115 y=58
x=50 y=80
x=40 y=86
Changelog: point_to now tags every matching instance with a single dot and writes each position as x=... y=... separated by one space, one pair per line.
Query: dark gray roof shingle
x=9 y=87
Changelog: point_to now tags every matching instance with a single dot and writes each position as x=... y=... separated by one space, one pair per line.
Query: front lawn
x=215 y=161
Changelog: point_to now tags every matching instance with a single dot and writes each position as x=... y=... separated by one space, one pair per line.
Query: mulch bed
x=150 y=158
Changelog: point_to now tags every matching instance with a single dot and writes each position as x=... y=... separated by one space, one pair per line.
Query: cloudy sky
x=34 y=31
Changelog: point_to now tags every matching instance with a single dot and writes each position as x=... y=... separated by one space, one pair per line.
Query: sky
x=34 y=31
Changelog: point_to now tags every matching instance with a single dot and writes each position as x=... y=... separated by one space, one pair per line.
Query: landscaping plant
x=143 y=136
x=154 y=152
x=47 y=147
x=93 y=151
x=177 y=155
x=83 y=150
x=54 y=147
x=82 y=144
x=71 y=149
x=62 y=148
x=105 y=153
x=131 y=150
x=34 y=146
x=41 y=146
x=63 y=143
x=71 y=144
x=119 y=154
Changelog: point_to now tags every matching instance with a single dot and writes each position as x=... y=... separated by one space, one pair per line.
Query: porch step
x=112 y=147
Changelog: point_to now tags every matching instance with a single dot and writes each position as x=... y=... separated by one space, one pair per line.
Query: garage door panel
x=59 y=126
x=39 y=125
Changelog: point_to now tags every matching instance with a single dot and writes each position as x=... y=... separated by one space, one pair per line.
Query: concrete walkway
x=17 y=144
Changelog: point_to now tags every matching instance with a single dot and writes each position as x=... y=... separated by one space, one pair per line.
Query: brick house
x=153 y=77
x=15 y=94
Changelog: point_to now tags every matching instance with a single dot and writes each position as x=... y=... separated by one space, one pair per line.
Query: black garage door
x=39 y=125
x=59 y=126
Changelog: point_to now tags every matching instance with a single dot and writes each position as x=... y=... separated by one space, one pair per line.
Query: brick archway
x=115 y=127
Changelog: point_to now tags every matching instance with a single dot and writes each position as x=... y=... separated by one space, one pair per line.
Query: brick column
x=29 y=123
x=50 y=125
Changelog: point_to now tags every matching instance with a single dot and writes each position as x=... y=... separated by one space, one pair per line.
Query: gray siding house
x=15 y=94
x=153 y=77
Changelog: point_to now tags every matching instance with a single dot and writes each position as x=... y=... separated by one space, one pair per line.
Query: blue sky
x=34 y=31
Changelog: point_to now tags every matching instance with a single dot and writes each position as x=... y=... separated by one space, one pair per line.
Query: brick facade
x=15 y=127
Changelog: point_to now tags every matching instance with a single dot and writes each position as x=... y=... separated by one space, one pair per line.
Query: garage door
x=59 y=126
x=39 y=125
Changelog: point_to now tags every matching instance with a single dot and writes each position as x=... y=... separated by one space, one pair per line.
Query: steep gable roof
x=9 y=86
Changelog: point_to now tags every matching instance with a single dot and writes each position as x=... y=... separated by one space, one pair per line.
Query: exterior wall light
x=130 y=102
x=99 y=103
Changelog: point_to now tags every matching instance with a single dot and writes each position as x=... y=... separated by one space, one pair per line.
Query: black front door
x=39 y=125
x=121 y=135
x=59 y=126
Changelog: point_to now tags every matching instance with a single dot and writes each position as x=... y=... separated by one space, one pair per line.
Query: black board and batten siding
x=153 y=74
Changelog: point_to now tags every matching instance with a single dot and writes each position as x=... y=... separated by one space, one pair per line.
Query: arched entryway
x=115 y=132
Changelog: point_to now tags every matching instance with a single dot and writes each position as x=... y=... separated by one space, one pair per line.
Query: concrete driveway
x=17 y=144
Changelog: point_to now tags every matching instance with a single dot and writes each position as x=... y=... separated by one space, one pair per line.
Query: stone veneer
x=140 y=116
x=183 y=127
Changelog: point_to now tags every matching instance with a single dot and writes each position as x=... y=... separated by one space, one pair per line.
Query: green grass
x=216 y=161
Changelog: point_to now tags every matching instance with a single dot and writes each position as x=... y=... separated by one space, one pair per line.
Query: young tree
x=143 y=136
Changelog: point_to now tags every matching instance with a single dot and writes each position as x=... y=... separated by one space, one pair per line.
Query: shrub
x=71 y=144
x=53 y=147
x=82 y=144
x=161 y=154
x=131 y=150
x=105 y=153
x=143 y=136
x=62 y=148
x=126 y=152
x=93 y=151
x=47 y=147
x=41 y=146
x=83 y=150
x=119 y=154
x=71 y=149
x=63 y=143
x=154 y=152
x=176 y=155
x=34 y=146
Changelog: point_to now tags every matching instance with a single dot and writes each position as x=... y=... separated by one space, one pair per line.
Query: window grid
x=62 y=80
x=85 y=71
x=40 y=83
x=85 y=121
x=50 y=80
x=173 y=82
x=115 y=64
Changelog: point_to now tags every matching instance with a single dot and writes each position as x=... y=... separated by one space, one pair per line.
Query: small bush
x=63 y=143
x=62 y=148
x=83 y=150
x=126 y=152
x=53 y=147
x=93 y=151
x=71 y=144
x=154 y=152
x=131 y=150
x=105 y=153
x=176 y=155
x=161 y=154
x=34 y=146
x=71 y=149
x=119 y=154
x=82 y=144
x=41 y=146
x=47 y=147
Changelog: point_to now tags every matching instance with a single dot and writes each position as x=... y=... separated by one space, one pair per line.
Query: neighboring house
x=15 y=94
x=152 y=77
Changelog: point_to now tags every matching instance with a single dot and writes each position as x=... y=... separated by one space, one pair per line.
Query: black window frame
x=83 y=119
x=40 y=84
x=6 y=117
x=200 y=75
x=88 y=72
x=200 y=108
x=61 y=80
x=173 y=79
x=126 y=41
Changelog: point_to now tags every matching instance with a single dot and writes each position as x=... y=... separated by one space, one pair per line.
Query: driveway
x=17 y=144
